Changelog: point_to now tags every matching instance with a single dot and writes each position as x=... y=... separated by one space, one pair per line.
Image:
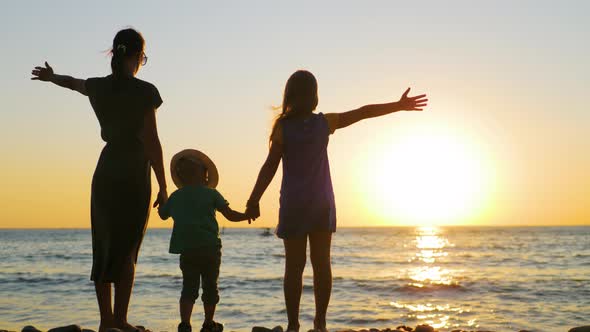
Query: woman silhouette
x=121 y=189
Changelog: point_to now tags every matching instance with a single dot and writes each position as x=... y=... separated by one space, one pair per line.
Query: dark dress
x=307 y=201
x=121 y=185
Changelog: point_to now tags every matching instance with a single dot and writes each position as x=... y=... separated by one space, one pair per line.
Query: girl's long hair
x=127 y=43
x=300 y=96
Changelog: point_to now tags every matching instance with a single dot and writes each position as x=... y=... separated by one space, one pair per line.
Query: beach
x=401 y=328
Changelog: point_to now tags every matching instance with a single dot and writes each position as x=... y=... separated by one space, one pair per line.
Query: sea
x=471 y=278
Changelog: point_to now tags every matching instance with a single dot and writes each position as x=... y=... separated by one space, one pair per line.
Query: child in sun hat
x=195 y=235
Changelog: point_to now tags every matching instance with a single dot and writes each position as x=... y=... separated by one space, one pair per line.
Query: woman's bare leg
x=123 y=288
x=103 y=297
x=319 y=247
x=295 y=252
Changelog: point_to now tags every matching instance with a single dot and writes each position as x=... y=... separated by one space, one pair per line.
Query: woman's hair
x=300 y=96
x=127 y=43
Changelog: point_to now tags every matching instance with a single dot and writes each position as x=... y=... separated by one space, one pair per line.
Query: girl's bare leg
x=319 y=246
x=295 y=252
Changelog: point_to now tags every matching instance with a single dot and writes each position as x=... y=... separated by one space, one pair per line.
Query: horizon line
x=341 y=227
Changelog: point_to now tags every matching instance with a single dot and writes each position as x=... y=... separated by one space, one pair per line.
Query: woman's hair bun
x=121 y=49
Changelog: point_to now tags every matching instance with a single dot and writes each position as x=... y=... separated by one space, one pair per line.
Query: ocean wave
x=362 y=321
x=24 y=278
x=430 y=287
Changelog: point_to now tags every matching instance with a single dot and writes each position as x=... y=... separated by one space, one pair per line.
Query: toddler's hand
x=162 y=198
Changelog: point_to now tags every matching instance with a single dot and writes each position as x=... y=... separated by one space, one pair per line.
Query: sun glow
x=429 y=177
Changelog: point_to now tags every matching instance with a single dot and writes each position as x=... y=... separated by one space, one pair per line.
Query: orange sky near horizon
x=504 y=140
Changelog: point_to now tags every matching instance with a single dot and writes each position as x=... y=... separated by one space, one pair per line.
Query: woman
x=121 y=189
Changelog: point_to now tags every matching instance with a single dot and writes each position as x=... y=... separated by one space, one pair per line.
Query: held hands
x=162 y=198
x=411 y=103
x=252 y=210
x=42 y=74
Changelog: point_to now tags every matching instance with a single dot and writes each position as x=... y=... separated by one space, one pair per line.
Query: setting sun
x=429 y=177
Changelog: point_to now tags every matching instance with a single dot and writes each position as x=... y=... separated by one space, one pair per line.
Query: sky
x=504 y=140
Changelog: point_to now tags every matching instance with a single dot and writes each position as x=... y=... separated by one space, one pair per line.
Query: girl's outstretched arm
x=46 y=74
x=265 y=176
x=370 y=111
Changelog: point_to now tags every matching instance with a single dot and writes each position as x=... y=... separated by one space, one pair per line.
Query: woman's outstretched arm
x=46 y=74
x=371 y=111
x=265 y=176
x=153 y=150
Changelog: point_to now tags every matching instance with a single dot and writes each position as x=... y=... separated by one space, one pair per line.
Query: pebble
x=30 y=328
x=581 y=329
x=277 y=328
x=424 y=328
x=69 y=328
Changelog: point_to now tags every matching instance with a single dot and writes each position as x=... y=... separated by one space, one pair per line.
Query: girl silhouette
x=307 y=208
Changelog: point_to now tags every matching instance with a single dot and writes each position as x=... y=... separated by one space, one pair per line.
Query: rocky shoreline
x=401 y=328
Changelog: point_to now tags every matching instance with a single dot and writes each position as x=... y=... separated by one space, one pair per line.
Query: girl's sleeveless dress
x=307 y=197
x=121 y=185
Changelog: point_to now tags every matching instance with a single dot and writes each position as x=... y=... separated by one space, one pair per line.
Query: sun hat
x=198 y=157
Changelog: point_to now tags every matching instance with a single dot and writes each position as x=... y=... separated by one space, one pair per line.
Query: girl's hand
x=162 y=198
x=411 y=103
x=42 y=74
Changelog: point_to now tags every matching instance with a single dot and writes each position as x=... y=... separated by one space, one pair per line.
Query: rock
x=69 y=328
x=277 y=328
x=580 y=329
x=374 y=330
x=88 y=330
x=424 y=328
x=30 y=328
x=404 y=328
x=114 y=329
x=260 y=329
x=524 y=331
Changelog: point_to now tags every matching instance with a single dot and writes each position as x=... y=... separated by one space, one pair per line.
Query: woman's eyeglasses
x=144 y=59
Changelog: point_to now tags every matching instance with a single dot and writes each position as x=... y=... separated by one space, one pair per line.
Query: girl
x=126 y=110
x=307 y=209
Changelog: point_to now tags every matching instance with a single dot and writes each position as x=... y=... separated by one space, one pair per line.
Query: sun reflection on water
x=429 y=275
x=431 y=244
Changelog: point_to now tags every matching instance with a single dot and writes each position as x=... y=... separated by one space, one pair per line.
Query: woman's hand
x=252 y=210
x=411 y=103
x=43 y=74
x=162 y=198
